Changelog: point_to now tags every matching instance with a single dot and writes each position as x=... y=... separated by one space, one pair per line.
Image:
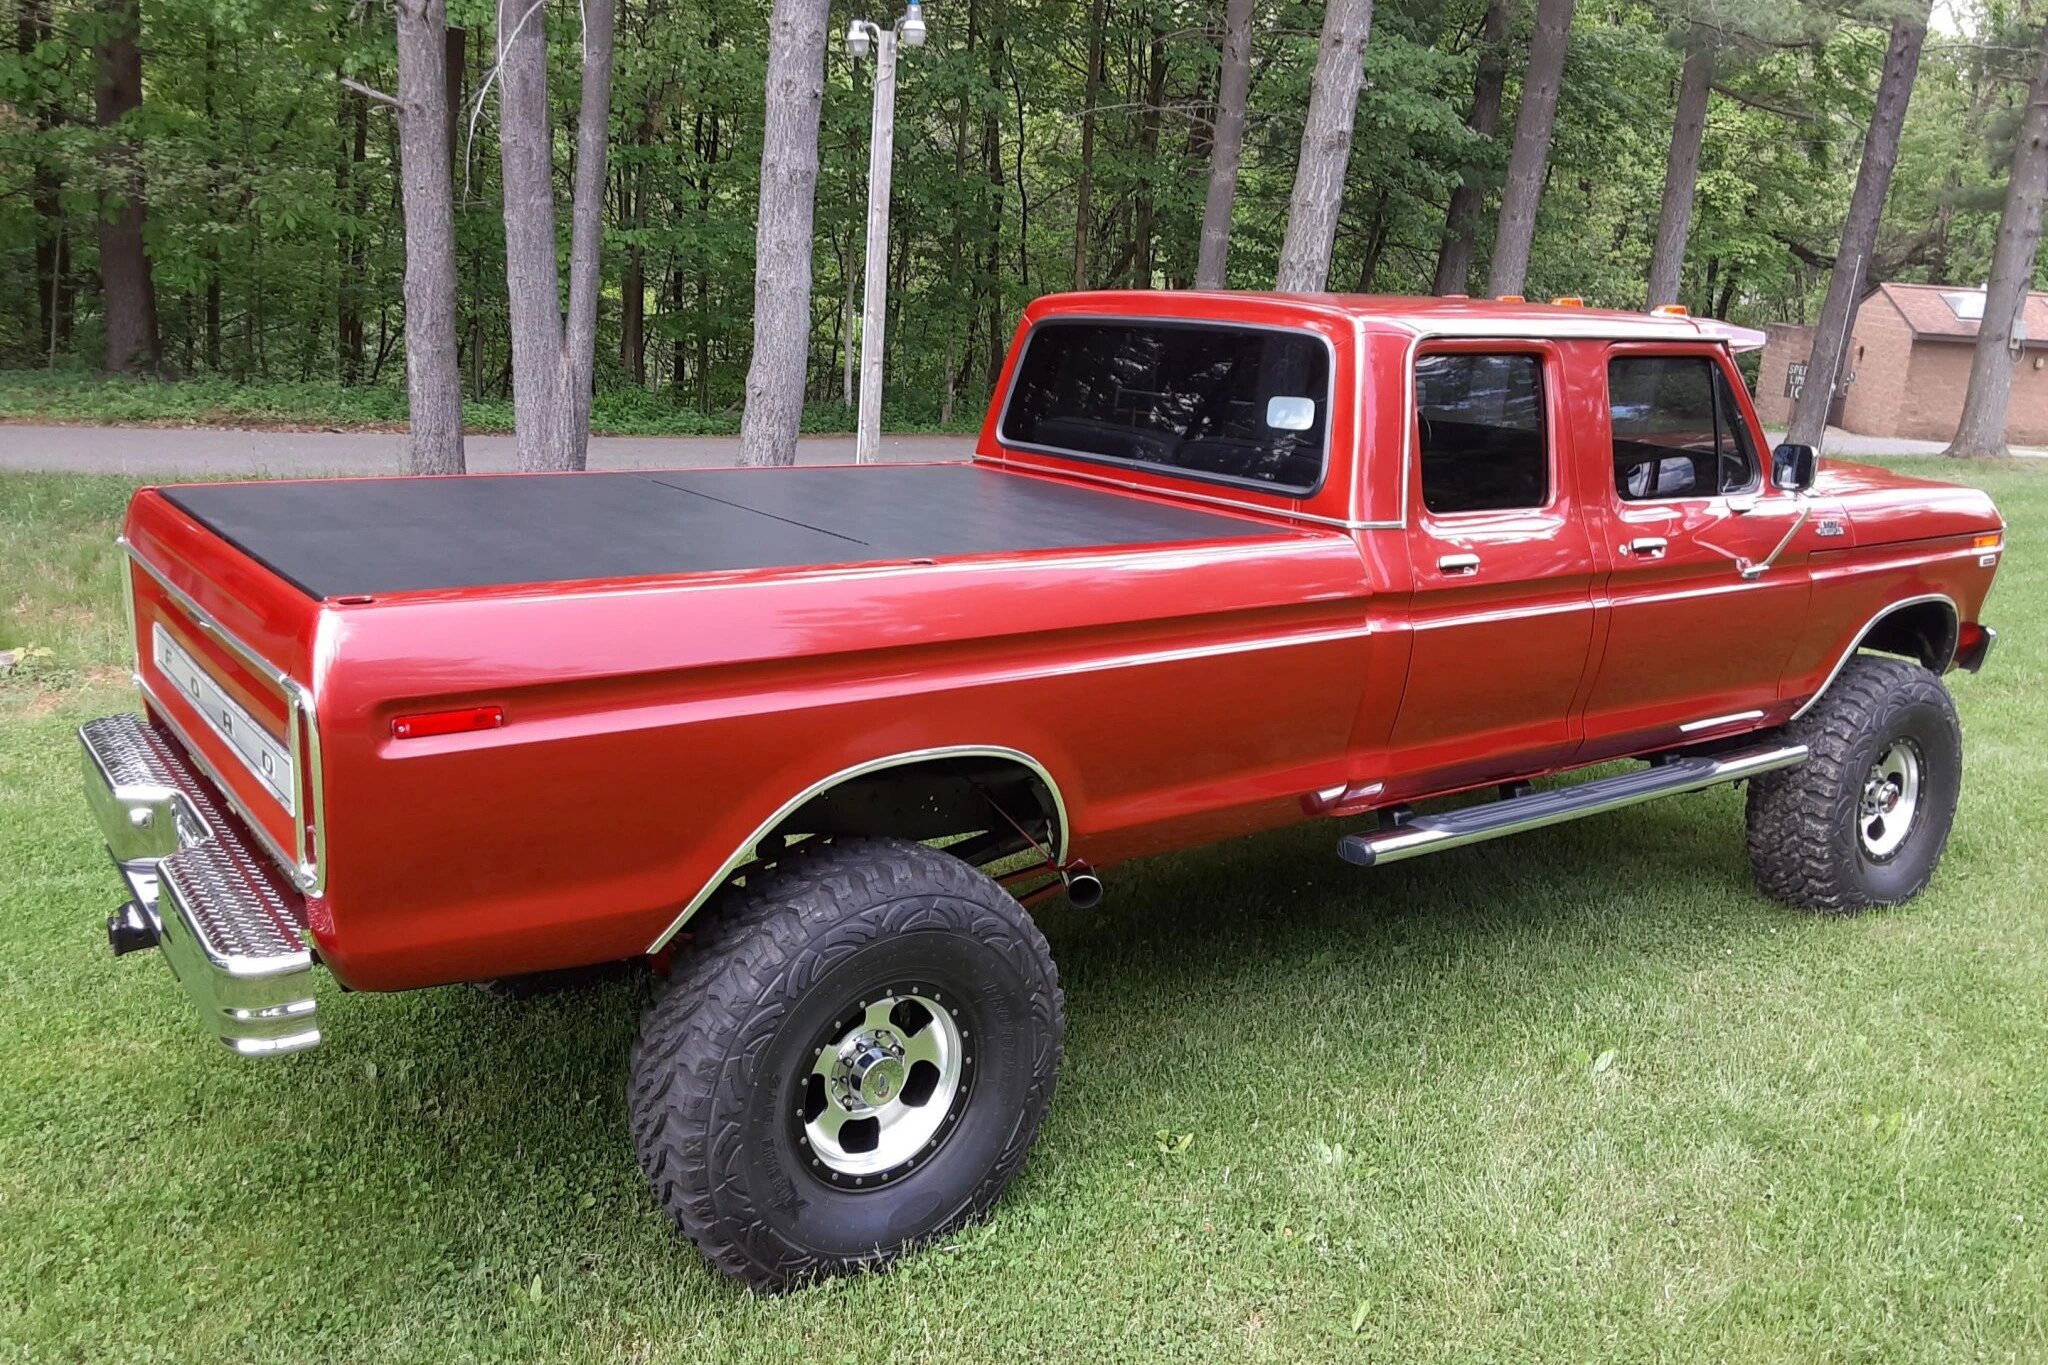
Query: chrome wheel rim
x=1890 y=800
x=885 y=1087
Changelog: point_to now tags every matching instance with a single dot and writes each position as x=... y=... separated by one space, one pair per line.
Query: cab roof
x=1449 y=315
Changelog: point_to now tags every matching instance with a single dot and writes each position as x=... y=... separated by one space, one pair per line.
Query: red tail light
x=460 y=721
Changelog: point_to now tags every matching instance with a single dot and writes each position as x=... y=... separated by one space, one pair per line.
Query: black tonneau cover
x=350 y=537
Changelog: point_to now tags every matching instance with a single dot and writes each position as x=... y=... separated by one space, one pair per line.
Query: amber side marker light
x=1568 y=301
x=461 y=721
x=1671 y=310
x=1990 y=542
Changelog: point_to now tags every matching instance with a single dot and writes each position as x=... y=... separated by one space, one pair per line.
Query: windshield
x=1205 y=400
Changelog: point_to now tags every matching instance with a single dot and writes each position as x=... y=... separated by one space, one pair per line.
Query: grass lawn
x=1579 y=1095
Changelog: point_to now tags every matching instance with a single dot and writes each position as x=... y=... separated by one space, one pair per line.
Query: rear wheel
x=853 y=1060
x=1865 y=819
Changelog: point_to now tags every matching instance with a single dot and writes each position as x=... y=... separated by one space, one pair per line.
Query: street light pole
x=862 y=35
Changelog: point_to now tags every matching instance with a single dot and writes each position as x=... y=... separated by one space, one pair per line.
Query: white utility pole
x=861 y=36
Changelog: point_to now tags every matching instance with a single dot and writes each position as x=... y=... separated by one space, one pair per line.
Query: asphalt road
x=190 y=451
x=201 y=451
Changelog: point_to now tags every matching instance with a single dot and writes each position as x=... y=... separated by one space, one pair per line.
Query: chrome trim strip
x=1482 y=328
x=308 y=868
x=1715 y=722
x=266 y=759
x=1405 y=842
x=206 y=618
x=1871 y=625
x=745 y=851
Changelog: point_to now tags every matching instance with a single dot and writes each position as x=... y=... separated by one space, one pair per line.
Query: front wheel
x=853 y=1061
x=1864 y=820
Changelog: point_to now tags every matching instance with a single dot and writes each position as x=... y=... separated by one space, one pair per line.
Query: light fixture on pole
x=863 y=37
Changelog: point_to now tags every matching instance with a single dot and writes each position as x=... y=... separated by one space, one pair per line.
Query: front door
x=1503 y=570
x=1698 y=633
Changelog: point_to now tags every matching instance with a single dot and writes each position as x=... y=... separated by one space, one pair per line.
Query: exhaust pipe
x=129 y=930
x=1084 y=888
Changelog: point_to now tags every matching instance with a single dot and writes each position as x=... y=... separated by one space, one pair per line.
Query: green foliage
x=275 y=232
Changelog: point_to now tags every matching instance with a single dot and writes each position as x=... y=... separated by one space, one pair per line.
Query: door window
x=1480 y=432
x=1677 y=430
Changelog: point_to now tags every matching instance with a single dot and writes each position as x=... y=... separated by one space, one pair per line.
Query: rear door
x=1503 y=569
x=1694 y=648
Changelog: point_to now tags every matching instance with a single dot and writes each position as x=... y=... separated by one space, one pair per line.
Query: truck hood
x=1887 y=506
x=354 y=538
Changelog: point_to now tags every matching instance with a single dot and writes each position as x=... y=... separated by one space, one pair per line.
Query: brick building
x=1909 y=364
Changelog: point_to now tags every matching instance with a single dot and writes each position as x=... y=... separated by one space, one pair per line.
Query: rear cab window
x=1678 y=431
x=1216 y=402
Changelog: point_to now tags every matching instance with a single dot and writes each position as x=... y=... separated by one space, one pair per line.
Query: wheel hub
x=870 y=1071
x=1890 y=799
x=887 y=1084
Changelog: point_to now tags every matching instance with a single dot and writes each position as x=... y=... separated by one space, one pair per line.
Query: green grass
x=36 y=396
x=1813 y=1141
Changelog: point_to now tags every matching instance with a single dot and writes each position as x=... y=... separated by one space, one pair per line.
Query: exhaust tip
x=129 y=930
x=1084 y=890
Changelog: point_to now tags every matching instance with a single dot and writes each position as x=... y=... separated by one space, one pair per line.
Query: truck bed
x=358 y=537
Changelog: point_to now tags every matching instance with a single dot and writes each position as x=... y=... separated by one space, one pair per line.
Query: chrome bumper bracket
x=230 y=925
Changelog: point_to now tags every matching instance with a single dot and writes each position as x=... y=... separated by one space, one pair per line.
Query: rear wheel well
x=1922 y=631
x=1001 y=804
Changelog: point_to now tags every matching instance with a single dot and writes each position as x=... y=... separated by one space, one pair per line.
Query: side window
x=1677 y=430
x=1480 y=421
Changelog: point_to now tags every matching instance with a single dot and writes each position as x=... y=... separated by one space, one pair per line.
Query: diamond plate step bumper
x=229 y=923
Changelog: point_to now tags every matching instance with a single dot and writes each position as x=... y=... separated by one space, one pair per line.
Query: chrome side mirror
x=1793 y=467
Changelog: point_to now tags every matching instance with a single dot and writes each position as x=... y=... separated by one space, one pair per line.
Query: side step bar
x=1474 y=824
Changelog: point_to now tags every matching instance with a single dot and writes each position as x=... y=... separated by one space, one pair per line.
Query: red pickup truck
x=811 y=740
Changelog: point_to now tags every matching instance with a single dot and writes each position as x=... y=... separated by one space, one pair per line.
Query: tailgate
x=223 y=653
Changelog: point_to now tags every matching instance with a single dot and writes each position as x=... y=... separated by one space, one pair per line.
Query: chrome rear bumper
x=229 y=923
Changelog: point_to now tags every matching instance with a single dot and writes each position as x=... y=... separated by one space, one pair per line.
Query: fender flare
x=1889 y=609
x=744 y=852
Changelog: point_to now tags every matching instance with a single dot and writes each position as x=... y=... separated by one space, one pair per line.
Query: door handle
x=1646 y=547
x=1458 y=564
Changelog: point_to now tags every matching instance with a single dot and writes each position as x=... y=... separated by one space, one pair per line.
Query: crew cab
x=812 y=740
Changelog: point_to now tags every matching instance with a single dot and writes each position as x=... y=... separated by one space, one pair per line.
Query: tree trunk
x=1227 y=148
x=32 y=27
x=1529 y=161
x=1325 y=148
x=454 y=66
x=433 y=375
x=1461 y=222
x=992 y=163
x=128 y=293
x=1148 y=157
x=1982 y=429
x=532 y=279
x=1859 y=230
x=351 y=193
x=1682 y=171
x=578 y=363
x=782 y=237
x=1091 y=95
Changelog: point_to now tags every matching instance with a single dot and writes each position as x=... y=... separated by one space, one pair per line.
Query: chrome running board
x=1413 y=837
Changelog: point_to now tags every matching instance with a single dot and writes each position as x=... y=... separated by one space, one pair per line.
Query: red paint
x=1177 y=693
